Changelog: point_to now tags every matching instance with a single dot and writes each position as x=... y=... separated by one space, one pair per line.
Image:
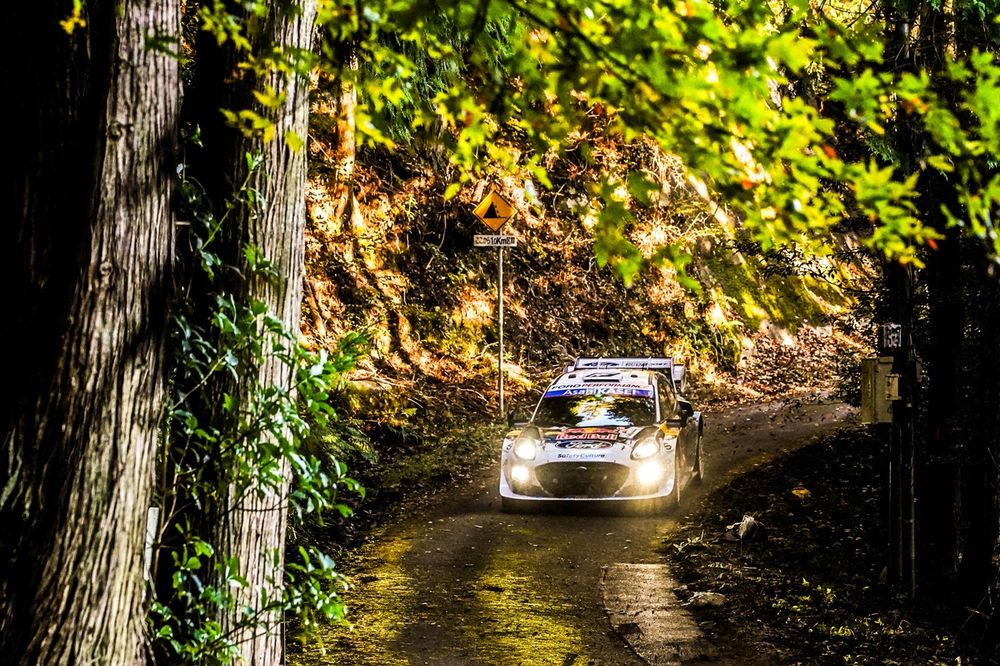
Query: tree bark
x=990 y=374
x=88 y=237
x=251 y=525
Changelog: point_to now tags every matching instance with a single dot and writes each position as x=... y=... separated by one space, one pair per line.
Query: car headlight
x=645 y=448
x=526 y=447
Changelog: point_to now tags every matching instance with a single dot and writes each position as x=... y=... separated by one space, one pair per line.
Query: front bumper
x=588 y=480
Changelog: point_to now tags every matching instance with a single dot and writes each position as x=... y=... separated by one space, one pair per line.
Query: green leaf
x=642 y=187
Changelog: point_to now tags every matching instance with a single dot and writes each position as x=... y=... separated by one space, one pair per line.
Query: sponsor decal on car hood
x=586 y=438
x=599 y=443
x=600 y=388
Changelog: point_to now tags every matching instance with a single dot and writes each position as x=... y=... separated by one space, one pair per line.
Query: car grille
x=581 y=479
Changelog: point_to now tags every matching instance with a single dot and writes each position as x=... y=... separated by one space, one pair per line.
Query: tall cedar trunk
x=977 y=438
x=945 y=459
x=939 y=488
x=88 y=234
x=958 y=482
x=990 y=372
x=251 y=526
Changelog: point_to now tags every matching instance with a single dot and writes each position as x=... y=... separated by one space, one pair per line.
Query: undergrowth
x=810 y=571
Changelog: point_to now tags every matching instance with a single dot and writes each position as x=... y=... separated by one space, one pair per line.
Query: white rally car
x=608 y=429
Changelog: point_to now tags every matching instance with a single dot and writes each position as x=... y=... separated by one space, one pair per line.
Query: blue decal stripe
x=629 y=392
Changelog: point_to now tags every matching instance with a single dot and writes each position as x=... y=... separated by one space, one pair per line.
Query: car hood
x=604 y=442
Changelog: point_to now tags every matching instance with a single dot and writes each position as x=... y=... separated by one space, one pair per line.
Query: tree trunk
x=940 y=469
x=977 y=438
x=251 y=525
x=990 y=373
x=89 y=239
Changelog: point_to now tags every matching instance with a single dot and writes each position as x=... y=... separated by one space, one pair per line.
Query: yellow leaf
x=74 y=20
x=294 y=141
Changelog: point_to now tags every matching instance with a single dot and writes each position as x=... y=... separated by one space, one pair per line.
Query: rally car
x=611 y=429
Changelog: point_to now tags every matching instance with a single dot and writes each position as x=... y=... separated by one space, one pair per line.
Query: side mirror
x=684 y=411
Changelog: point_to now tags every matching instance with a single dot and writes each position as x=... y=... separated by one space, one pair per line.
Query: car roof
x=608 y=376
x=628 y=368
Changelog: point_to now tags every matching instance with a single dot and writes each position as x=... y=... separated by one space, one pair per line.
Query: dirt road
x=462 y=583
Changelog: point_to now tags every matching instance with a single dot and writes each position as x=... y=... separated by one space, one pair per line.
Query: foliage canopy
x=756 y=99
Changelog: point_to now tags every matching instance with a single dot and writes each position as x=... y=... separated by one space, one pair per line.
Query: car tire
x=699 y=464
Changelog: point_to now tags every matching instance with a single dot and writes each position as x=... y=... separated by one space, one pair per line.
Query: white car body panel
x=587 y=463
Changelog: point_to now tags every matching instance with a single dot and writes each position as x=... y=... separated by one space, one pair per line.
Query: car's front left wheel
x=674 y=499
x=699 y=462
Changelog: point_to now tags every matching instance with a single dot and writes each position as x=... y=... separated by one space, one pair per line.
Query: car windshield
x=579 y=411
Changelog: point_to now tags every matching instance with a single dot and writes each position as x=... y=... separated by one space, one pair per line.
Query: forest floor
x=806 y=581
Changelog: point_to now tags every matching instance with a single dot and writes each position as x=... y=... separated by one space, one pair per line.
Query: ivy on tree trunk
x=248 y=522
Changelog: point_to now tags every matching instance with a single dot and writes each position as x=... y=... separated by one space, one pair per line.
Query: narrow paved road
x=463 y=583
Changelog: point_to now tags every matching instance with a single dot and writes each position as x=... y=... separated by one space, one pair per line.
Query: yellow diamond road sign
x=494 y=210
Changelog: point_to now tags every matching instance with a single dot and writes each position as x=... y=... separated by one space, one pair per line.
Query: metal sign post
x=500 y=321
x=500 y=242
x=494 y=211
